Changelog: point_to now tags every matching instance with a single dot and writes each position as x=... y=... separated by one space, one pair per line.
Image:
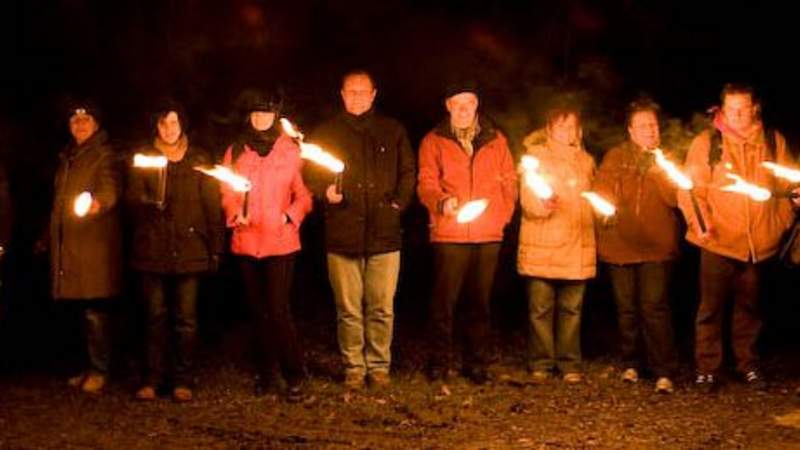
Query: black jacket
x=6 y=217
x=377 y=182
x=184 y=234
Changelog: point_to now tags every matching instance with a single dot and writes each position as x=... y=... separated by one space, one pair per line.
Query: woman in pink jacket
x=266 y=239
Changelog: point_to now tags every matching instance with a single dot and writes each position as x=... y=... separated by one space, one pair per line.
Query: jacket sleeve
x=532 y=207
x=508 y=180
x=6 y=211
x=232 y=202
x=407 y=167
x=301 y=198
x=784 y=205
x=605 y=179
x=697 y=168
x=108 y=182
x=429 y=188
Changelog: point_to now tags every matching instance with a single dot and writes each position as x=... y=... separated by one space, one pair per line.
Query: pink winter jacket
x=278 y=193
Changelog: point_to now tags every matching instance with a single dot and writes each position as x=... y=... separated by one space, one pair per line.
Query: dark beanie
x=163 y=107
x=261 y=100
x=460 y=86
x=84 y=106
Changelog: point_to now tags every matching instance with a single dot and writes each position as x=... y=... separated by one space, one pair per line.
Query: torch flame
x=83 y=202
x=534 y=180
x=680 y=178
x=314 y=153
x=793 y=175
x=471 y=210
x=740 y=186
x=149 y=162
x=600 y=204
x=290 y=129
x=237 y=182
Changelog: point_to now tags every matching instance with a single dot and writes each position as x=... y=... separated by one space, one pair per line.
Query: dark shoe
x=478 y=375
x=707 y=383
x=182 y=394
x=755 y=380
x=269 y=384
x=438 y=373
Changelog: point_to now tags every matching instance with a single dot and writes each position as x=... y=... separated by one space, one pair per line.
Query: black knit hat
x=460 y=86
x=83 y=106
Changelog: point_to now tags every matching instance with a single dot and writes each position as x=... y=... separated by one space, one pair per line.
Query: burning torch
x=315 y=153
x=235 y=181
x=158 y=163
x=83 y=203
x=533 y=179
x=601 y=205
x=471 y=210
x=683 y=182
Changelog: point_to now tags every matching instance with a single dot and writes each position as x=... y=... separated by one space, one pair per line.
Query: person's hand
x=705 y=237
x=609 y=221
x=241 y=221
x=550 y=204
x=95 y=208
x=450 y=207
x=332 y=196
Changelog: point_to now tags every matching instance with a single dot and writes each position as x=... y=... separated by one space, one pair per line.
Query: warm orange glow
x=533 y=179
x=83 y=202
x=290 y=129
x=787 y=173
x=237 y=182
x=679 y=178
x=740 y=186
x=149 y=162
x=314 y=153
x=600 y=204
x=471 y=210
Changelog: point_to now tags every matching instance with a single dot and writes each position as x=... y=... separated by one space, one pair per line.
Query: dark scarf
x=261 y=141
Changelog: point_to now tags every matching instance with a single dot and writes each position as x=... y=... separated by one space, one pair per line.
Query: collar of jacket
x=361 y=122
x=72 y=150
x=488 y=131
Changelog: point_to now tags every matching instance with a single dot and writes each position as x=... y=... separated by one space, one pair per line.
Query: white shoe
x=664 y=386
x=630 y=375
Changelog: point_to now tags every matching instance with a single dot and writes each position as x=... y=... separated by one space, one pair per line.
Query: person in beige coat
x=557 y=247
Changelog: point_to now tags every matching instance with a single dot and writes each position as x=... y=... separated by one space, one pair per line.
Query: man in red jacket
x=464 y=158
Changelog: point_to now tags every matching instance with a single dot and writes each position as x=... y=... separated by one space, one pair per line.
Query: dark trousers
x=719 y=278
x=644 y=316
x=171 y=302
x=97 y=332
x=469 y=268
x=554 y=313
x=268 y=283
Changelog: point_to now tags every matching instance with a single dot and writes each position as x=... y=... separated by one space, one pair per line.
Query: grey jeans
x=364 y=289
x=554 y=309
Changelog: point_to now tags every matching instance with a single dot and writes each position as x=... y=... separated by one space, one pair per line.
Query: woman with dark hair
x=177 y=236
x=266 y=238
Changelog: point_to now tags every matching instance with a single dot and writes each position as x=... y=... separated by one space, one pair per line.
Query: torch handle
x=244 y=205
x=338 y=182
x=696 y=207
x=161 y=195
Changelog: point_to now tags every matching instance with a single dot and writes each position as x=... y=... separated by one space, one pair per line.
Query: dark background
x=526 y=56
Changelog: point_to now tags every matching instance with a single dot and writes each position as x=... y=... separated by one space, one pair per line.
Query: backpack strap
x=715 y=150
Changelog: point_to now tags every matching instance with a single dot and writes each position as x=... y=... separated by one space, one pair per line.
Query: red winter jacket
x=445 y=170
x=278 y=192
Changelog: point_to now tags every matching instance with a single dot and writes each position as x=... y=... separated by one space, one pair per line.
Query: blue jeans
x=364 y=289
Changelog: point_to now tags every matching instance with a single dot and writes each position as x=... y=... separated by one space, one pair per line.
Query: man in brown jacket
x=640 y=247
x=741 y=233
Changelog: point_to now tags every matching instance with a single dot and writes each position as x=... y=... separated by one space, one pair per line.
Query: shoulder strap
x=715 y=150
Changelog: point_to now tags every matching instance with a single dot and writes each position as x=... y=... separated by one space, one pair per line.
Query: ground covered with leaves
x=39 y=411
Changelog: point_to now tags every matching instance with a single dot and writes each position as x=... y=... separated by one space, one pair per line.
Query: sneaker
x=664 y=386
x=630 y=375
x=354 y=380
x=93 y=384
x=706 y=382
x=755 y=380
x=573 y=378
x=182 y=394
x=146 y=393
x=379 y=379
x=540 y=376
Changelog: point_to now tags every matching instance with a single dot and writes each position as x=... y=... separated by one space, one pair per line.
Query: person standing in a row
x=177 y=236
x=86 y=238
x=266 y=238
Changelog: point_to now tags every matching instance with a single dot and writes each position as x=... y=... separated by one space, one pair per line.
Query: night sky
x=525 y=54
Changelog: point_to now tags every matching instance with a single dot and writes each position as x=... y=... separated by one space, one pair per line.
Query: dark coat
x=184 y=233
x=86 y=252
x=377 y=183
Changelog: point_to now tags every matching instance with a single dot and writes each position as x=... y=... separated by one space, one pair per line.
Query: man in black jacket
x=362 y=226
